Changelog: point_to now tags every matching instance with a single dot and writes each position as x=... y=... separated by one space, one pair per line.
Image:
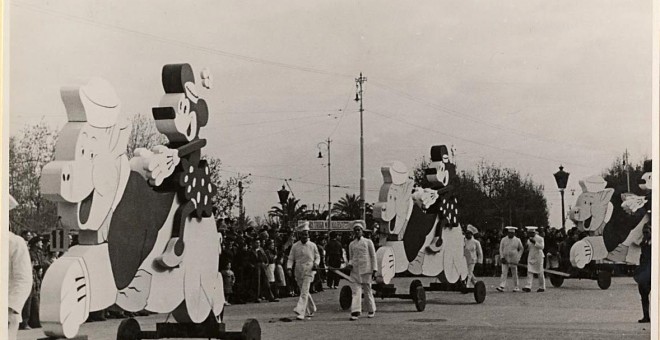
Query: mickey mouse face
x=645 y=182
x=437 y=174
x=181 y=111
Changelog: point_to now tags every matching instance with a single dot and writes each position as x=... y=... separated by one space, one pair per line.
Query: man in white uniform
x=362 y=264
x=511 y=250
x=535 y=246
x=473 y=253
x=305 y=255
x=20 y=278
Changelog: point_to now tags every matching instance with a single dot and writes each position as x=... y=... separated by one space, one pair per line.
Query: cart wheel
x=129 y=329
x=413 y=288
x=251 y=330
x=556 y=280
x=604 y=279
x=479 y=291
x=420 y=299
x=345 y=297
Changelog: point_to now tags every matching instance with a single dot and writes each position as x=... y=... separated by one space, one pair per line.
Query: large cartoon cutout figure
x=593 y=213
x=422 y=234
x=126 y=219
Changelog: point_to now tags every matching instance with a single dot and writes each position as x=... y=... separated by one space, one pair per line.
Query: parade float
x=147 y=238
x=606 y=241
x=420 y=233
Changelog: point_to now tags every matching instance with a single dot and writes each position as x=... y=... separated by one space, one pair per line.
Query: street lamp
x=283 y=194
x=358 y=97
x=561 y=177
x=327 y=145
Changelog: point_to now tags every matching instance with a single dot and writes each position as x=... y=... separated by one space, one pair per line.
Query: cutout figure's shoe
x=354 y=316
x=644 y=320
x=527 y=290
x=501 y=289
x=300 y=317
x=65 y=297
x=371 y=315
x=540 y=290
x=516 y=289
x=173 y=254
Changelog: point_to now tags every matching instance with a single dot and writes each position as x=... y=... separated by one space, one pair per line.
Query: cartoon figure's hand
x=424 y=198
x=156 y=165
x=632 y=203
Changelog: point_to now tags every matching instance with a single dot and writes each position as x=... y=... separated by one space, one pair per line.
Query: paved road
x=577 y=310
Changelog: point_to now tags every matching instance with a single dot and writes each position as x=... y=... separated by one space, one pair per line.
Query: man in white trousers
x=511 y=250
x=473 y=253
x=362 y=264
x=535 y=257
x=305 y=255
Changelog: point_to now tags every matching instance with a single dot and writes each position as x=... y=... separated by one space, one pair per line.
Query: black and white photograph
x=292 y=169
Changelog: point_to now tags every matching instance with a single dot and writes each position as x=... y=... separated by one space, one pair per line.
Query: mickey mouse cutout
x=178 y=166
x=410 y=220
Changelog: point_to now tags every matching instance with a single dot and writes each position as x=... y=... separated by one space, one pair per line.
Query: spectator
x=334 y=255
x=228 y=279
x=320 y=275
x=38 y=259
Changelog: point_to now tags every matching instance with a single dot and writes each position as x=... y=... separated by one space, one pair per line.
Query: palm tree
x=348 y=207
x=289 y=211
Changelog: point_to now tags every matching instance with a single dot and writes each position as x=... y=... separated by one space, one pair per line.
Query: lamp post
x=561 y=177
x=327 y=145
x=358 y=97
x=283 y=194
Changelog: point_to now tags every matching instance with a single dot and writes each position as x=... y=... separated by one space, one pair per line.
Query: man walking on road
x=473 y=253
x=511 y=250
x=305 y=255
x=362 y=264
x=535 y=256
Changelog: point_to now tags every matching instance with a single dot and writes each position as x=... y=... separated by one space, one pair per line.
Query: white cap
x=472 y=229
x=593 y=184
x=358 y=224
x=304 y=226
x=531 y=228
x=510 y=228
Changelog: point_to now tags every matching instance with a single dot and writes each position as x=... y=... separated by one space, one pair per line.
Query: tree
x=226 y=200
x=494 y=196
x=144 y=134
x=289 y=211
x=28 y=154
x=617 y=177
x=347 y=208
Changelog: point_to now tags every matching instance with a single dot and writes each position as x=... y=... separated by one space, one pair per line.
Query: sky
x=524 y=84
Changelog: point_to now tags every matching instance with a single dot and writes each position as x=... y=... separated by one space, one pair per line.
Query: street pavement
x=577 y=310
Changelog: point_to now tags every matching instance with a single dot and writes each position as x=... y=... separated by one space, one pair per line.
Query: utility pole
x=358 y=97
x=240 y=203
x=626 y=166
x=327 y=144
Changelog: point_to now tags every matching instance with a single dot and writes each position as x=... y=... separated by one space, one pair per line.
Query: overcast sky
x=525 y=84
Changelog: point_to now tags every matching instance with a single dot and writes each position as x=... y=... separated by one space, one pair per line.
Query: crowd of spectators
x=253 y=263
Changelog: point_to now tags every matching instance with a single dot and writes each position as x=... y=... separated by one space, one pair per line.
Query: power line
x=477 y=143
x=179 y=43
x=474 y=119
